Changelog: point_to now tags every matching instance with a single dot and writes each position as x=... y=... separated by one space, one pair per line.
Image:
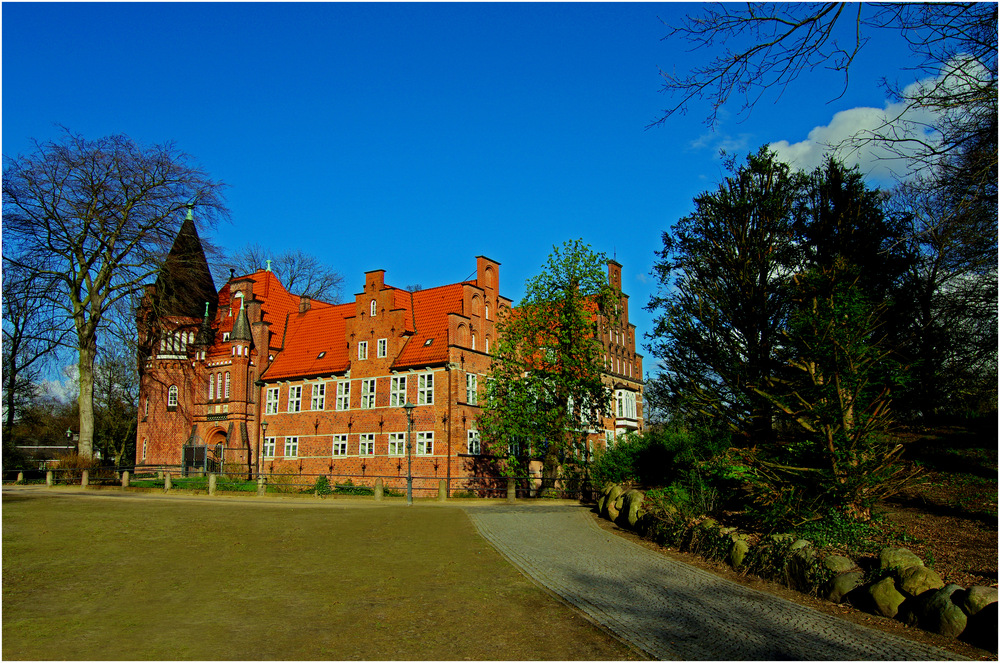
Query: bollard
x=511 y=490
x=442 y=490
x=48 y=478
x=379 y=490
x=85 y=479
x=211 y=484
x=20 y=477
x=167 y=483
x=261 y=488
x=125 y=479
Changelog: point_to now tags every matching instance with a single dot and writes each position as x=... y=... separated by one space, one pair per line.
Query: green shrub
x=656 y=456
x=322 y=486
x=348 y=488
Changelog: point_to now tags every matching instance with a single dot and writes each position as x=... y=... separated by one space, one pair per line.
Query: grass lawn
x=89 y=577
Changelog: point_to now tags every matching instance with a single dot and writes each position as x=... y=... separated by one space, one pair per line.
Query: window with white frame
x=362 y=350
x=172 y=396
x=366 y=444
x=319 y=396
x=291 y=447
x=368 y=393
x=471 y=388
x=271 y=401
x=339 y=445
x=625 y=401
x=269 y=445
x=514 y=448
x=382 y=348
x=344 y=395
x=397 y=391
x=425 y=389
x=227 y=385
x=218 y=385
x=373 y=308
x=425 y=443
x=397 y=444
x=211 y=387
x=472 y=445
x=295 y=398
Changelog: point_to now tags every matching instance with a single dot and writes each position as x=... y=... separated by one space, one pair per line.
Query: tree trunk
x=86 y=398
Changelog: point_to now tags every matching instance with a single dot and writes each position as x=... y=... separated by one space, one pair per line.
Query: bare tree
x=299 y=272
x=90 y=221
x=775 y=43
x=32 y=334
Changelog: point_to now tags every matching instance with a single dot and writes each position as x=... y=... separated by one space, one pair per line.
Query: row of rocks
x=901 y=588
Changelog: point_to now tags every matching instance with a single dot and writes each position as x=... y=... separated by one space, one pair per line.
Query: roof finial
x=206 y=310
x=190 y=212
x=268 y=265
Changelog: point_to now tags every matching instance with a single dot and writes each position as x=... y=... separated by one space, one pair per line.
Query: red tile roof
x=430 y=321
x=320 y=330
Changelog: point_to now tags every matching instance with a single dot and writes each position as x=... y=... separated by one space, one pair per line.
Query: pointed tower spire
x=185 y=283
x=241 y=328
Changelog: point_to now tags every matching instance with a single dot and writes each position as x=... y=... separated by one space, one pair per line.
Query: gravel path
x=671 y=610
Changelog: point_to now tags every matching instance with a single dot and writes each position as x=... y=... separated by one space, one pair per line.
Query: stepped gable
x=430 y=322
x=314 y=344
x=184 y=283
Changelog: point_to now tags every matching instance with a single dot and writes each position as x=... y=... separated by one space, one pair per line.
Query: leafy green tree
x=90 y=221
x=837 y=390
x=546 y=388
x=724 y=273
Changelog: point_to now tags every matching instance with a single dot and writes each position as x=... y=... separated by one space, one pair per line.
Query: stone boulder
x=885 y=597
x=893 y=560
x=942 y=612
x=838 y=564
x=738 y=551
x=915 y=580
x=798 y=571
x=837 y=589
x=631 y=508
x=610 y=511
x=977 y=598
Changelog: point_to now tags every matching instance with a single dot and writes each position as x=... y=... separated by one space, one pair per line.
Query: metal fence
x=186 y=478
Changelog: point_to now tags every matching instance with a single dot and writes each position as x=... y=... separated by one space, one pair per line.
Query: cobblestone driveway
x=671 y=610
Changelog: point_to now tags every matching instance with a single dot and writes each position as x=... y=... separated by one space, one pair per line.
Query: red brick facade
x=282 y=383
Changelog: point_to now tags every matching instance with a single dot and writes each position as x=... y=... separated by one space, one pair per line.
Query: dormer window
x=374 y=308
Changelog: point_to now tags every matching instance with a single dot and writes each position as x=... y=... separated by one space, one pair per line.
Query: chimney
x=305 y=301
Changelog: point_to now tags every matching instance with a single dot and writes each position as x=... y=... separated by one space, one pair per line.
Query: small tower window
x=374 y=308
x=172 y=397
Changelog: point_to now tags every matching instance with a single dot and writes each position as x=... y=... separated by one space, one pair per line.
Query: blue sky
x=413 y=137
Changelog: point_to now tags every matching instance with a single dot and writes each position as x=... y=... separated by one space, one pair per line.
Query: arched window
x=218 y=385
x=473 y=341
x=211 y=387
x=374 y=308
x=487 y=310
x=172 y=396
x=487 y=345
x=227 y=385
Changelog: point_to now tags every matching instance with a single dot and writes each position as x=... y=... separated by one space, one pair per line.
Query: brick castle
x=255 y=376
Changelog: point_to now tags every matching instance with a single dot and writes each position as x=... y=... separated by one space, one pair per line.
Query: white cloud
x=65 y=390
x=845 y=135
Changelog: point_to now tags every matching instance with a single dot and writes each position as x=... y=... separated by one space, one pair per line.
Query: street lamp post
x=409 y=452
x=263 y=436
